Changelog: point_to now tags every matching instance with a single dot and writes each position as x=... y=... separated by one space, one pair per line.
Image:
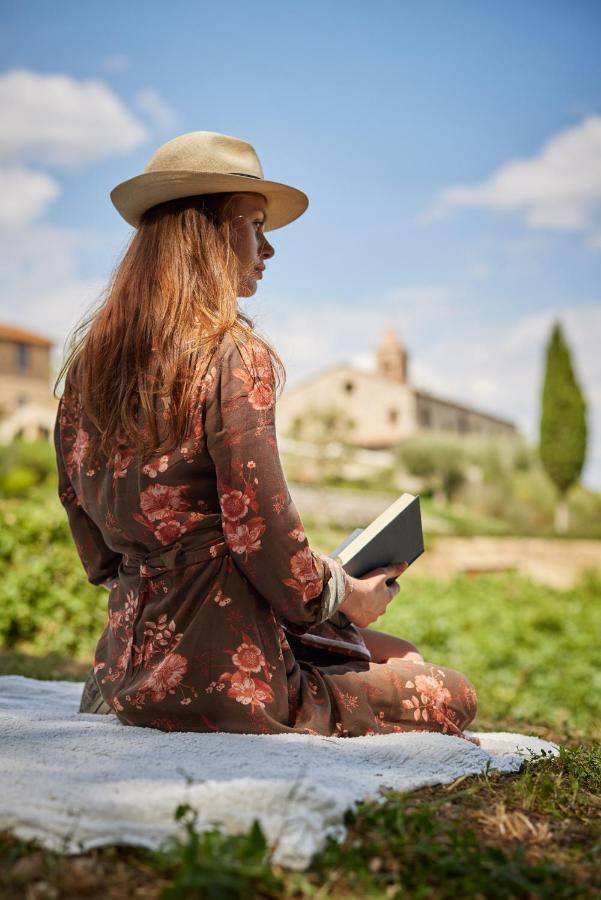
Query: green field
x=533 y=655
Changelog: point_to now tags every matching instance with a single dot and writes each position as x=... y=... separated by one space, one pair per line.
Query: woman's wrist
x=349 y=585
x=337 y=588
x=350 y=596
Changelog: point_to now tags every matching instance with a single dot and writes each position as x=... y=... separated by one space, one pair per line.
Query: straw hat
x=204 y=162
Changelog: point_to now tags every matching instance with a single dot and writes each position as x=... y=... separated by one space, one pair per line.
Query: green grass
x=533 y=835
x=530 y=650
x=533 y=654
x=459 y=521
x=214 y=865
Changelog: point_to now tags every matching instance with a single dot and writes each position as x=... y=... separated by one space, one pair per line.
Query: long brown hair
x=145 y=349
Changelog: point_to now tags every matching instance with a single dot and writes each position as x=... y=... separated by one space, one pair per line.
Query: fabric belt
x=206 y=542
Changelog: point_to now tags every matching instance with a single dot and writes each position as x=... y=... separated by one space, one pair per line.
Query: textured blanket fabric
x=76 y=781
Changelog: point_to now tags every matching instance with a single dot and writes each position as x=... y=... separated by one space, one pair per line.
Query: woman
x=221 y=617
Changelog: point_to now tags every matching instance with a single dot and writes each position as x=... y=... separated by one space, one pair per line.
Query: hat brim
x=134 y=197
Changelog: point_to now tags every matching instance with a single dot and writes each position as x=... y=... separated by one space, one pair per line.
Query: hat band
x=246 y=175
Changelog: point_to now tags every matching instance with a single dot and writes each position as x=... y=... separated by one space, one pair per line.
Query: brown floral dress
x=214 y=580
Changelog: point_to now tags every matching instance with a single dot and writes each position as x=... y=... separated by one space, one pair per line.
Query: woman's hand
x=369 y=595
x=111 y=584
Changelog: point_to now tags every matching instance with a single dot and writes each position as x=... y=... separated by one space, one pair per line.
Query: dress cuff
x=334 y=591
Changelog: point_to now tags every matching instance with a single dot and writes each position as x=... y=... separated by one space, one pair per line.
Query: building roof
x=13 y=333
x=428 y=395
x=330 y=370
x=374 y=377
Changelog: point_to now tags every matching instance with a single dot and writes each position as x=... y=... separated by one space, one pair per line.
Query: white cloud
x=559 y=188
x=347 y=335
x=497 y=368
x=501 y=369
x=151 y=104
x=24 y=195
x=58 y=120
x=40 y=284
x=310 y=341
x=317 y=337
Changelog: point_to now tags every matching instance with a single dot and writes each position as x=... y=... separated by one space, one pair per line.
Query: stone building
x=378 y=409
x=27 y=406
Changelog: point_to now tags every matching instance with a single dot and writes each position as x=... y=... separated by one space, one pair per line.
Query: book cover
x=394 y=536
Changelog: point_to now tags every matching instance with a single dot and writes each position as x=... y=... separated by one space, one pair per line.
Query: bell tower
x=392 y=357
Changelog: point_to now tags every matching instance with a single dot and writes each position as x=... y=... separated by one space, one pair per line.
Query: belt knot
x=200 y=545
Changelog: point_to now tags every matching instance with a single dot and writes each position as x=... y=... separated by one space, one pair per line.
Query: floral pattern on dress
x=431 y=700
x=305 y=581
x=160 y=504
x=245 y=686
x=156 y=466
x=120 y=463
x=200 y=641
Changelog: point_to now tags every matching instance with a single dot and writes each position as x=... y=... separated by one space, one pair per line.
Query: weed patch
x=531 y=835
x=217 y=866
x=406 y=848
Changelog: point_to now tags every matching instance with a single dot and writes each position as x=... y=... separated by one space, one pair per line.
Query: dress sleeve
x=262 y=527
x=99 y=561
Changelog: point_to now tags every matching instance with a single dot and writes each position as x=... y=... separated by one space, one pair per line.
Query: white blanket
x=78 y=781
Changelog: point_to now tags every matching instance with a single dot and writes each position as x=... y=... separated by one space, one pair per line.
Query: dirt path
x=326 y=504
x=557 y=563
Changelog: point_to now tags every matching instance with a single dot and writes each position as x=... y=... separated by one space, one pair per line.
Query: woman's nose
x=267 y=250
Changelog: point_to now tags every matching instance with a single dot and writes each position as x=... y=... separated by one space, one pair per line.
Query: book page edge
x=376 y=526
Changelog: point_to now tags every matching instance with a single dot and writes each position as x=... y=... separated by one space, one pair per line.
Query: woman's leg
x=384 y=646
x=401 y=695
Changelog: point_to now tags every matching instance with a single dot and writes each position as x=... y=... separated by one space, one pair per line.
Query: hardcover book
x=394 y=536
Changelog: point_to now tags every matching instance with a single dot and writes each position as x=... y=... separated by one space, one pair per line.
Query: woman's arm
x=384 y=646
x=262 y=527
x=99 y=561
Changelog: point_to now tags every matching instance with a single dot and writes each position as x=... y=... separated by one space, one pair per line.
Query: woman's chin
x=247 y=289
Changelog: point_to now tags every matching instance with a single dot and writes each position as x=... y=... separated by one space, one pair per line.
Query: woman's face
x=247 y=214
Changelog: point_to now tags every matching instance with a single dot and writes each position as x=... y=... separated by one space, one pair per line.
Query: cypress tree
x=563 y=430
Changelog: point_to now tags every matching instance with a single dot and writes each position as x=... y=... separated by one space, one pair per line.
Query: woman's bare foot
x=411 y=656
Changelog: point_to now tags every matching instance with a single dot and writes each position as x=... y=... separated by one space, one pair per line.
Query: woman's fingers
x=392 y=571
x=393 y=588
x=372 y=594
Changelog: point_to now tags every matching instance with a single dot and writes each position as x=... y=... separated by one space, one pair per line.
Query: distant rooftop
x=13 y=333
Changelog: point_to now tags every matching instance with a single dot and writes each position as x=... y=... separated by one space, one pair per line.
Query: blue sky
x=451 y=154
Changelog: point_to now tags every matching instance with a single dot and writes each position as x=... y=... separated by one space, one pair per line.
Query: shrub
x=46 y=602
x=24 y=465
x=438 y=458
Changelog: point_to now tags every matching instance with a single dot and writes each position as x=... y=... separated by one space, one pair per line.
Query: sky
x=451 y=154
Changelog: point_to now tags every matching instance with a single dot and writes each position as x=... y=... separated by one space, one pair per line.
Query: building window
x=22 y=357
x=349 y=387
x=425 y=417
x=393 y=416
